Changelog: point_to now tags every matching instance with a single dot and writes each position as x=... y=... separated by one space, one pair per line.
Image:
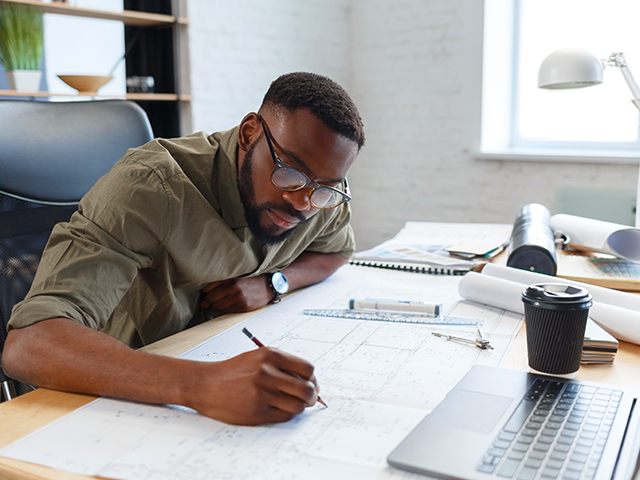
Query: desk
x=36 y=409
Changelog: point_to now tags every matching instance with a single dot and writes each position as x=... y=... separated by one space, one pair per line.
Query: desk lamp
x=578 y=68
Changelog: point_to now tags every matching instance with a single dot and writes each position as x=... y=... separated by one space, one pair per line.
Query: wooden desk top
x=34 y=410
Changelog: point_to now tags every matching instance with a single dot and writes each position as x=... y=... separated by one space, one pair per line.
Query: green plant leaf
x=21 y=37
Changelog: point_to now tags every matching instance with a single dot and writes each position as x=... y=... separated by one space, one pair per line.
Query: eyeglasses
x=290 y=179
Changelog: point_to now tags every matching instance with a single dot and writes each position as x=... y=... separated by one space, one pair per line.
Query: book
x=602 y=270
x=599 y=346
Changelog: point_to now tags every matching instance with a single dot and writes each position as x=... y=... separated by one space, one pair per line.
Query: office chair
x=51 y=154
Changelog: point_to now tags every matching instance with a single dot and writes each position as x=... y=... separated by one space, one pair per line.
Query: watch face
x=280 y=283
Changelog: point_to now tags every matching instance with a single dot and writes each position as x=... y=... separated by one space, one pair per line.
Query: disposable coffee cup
x=555 y=317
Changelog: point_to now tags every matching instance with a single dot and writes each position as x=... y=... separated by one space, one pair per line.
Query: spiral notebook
x=421 y=247
x=416 y=267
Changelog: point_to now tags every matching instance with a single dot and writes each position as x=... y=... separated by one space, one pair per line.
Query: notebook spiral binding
x=409 y=267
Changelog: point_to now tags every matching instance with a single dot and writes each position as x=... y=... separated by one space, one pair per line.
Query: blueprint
x=379 y=380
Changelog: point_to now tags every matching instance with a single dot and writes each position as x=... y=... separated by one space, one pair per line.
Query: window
x=519 y=118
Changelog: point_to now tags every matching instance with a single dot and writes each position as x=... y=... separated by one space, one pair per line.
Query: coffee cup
x=556 y=318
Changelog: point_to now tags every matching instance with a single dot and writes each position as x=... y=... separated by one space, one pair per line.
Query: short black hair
x=327 y=100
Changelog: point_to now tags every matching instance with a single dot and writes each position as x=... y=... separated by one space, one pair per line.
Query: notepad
x=422 y=247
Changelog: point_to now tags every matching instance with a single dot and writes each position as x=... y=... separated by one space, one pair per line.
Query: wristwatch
x=279 y=285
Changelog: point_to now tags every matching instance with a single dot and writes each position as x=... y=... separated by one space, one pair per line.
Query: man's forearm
x=310 y=268
x=251 y=388
x=64 y=355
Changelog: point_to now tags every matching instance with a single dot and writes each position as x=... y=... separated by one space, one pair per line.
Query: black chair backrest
x=55 y=151
x=51 y=154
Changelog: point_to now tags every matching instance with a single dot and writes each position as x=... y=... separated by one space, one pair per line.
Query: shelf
x=152 y=97
x=156 y=97
x=128 y=17
x=165 y=41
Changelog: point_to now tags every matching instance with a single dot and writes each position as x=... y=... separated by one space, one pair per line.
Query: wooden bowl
x=85 y=83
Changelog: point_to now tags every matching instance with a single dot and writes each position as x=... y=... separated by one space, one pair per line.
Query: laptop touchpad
x=471 y=411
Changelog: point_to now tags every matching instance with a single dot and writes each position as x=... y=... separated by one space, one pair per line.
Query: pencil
x=260 y=344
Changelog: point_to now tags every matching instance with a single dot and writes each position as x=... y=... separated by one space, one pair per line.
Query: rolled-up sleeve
x=91 y=261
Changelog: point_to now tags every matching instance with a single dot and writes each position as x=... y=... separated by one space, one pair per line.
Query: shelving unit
x=128 y=17
x=161 y=53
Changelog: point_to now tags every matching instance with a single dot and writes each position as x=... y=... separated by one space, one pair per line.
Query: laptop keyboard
x=558 y=431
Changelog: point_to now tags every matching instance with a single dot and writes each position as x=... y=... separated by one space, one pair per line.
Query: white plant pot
x=24 y=80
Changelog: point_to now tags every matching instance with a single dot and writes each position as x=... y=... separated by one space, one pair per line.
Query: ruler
x=390 y=317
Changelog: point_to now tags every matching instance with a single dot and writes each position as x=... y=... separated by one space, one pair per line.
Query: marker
x=396 y=306
x=260 y=344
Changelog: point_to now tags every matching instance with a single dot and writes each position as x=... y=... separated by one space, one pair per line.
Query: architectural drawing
x=379 y=380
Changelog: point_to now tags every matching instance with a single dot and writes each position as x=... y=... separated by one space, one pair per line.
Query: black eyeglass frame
x=278 y=164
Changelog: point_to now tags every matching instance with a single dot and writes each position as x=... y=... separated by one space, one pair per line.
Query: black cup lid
x=555 y=296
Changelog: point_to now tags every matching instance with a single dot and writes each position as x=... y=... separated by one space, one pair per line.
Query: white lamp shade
x=570 y=68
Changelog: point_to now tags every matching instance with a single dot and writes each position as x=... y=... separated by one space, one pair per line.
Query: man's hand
x=237 y=294
x=254 y=388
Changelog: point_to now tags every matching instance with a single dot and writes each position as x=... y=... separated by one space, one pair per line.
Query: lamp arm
x=617 y=60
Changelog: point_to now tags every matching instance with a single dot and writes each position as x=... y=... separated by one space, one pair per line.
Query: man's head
x=307 y=123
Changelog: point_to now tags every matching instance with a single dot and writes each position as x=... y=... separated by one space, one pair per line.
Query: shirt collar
x=227 y=178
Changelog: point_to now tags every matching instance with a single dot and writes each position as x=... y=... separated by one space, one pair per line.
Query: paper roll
x=622 y=323
x=598 y=236
x=492 y=291
x=599 y=294
x=502 y=287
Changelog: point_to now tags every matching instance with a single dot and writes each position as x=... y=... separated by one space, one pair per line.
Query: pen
x=403 y=306
x=260 y=344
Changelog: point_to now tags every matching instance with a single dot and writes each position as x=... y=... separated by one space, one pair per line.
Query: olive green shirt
x=163 y=223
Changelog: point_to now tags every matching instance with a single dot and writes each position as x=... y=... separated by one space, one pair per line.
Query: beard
x=252 y=212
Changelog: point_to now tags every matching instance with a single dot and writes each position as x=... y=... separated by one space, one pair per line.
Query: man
x=181 y=227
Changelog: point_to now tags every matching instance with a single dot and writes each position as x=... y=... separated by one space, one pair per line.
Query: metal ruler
x=390 y=317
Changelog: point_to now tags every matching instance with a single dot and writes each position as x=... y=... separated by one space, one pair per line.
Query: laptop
x=498 y=424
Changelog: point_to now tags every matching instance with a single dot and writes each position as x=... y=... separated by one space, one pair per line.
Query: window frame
x=500 y=102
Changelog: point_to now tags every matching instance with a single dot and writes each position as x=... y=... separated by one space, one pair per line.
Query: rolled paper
x=622 y=323
x=598 y=236
x=492 y=291
x=502 y=287
x=599 y=294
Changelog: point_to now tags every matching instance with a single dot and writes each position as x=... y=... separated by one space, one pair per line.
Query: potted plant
x=21 y=45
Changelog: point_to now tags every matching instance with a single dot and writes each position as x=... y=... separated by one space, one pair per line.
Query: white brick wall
x=414 y=69
x=237 y=48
